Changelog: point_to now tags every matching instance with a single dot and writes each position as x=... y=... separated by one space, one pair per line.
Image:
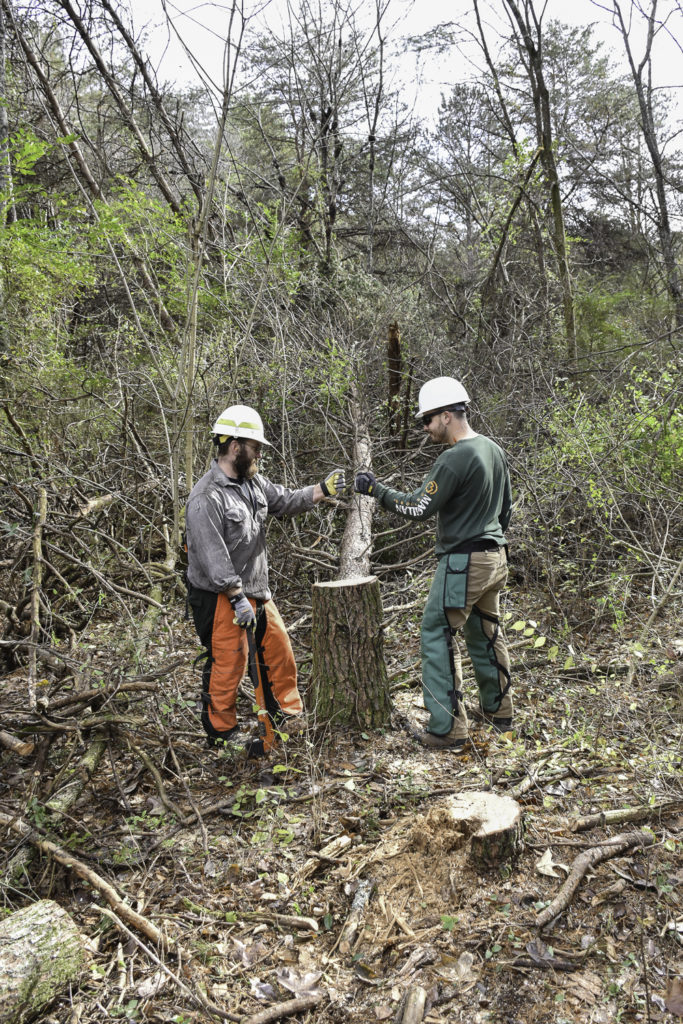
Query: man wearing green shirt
x=468 y=490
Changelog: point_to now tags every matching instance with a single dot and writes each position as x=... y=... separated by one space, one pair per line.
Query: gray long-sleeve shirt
x=225 y=524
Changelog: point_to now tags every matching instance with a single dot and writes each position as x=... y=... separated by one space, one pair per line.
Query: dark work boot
x=500 y=723
x=449 y=741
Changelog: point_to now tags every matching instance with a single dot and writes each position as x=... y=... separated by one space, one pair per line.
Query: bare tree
x=526 y=22
x=641 y=71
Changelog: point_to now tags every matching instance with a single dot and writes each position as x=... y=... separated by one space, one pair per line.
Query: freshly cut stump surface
x=493 y=824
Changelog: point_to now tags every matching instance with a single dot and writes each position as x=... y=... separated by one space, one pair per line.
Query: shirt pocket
x=235 y=525
x=261 y=509
x=455 y=580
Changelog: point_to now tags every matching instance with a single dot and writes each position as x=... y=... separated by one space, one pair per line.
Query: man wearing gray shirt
x=228 y=572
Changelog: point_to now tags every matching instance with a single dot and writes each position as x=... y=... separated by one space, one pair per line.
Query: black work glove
x=244 y=613
x=334 y=483
x=366 y=483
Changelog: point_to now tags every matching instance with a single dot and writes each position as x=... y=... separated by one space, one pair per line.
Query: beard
x=246 y=466
x=440 y=435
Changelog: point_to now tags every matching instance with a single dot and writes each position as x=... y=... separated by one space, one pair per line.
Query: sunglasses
x=427 y=419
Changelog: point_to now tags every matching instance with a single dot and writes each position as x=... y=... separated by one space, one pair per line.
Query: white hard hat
x=440 y=393
x=239 y=421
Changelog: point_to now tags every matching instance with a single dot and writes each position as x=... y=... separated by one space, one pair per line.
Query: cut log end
x=492 y=824
x=41 y=954
x=352 y=581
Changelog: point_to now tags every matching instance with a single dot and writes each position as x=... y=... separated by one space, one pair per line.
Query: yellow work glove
x=334 y=483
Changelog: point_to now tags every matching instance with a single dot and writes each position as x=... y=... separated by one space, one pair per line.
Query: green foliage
x=635 y=433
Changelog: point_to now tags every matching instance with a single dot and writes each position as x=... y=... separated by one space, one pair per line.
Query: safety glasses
x=254 y=448
x=428 y=417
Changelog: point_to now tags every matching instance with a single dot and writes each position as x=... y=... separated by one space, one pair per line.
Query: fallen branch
x=96 y=881
x=287 y=1009
x=287 y=920
x=581 y=866
x=355 y=918
x=99 y=694
x=619 y=816
x=21 y=747
x=333 y=849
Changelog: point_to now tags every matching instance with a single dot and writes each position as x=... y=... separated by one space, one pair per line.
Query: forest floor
x=224 y=853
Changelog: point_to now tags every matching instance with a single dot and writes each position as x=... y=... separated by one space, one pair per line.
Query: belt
x=468 y=546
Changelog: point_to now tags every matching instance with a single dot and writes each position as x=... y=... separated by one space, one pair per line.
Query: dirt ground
x=226 y=853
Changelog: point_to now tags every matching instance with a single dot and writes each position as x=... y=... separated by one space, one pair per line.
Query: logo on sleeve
x=432 y=487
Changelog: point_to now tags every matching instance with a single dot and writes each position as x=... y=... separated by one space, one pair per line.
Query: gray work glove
x=244 y=613
x=334 y=483
x=365 y=483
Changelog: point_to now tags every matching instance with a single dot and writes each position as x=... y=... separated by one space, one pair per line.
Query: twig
x=582 y=864
x=198 y=996
x=190 y=798
x=169 y=804
x=36 y=584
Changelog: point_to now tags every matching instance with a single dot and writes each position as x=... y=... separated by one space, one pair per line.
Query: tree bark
x=41 y=954
x=414 y=1008
x=349 y=678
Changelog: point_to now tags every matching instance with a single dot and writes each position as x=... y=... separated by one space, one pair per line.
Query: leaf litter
x=239 y=895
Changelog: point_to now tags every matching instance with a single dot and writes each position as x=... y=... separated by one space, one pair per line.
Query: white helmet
x=440 y=393
x=239 y=421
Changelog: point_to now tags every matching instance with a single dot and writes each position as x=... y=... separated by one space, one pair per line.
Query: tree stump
x=493 y=824
x=349 y=678
x=41 y=953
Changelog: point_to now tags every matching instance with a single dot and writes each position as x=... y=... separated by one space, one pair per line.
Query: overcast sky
x=202 y=24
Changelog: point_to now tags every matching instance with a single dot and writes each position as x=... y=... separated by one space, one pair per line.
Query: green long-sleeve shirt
x=468 y=489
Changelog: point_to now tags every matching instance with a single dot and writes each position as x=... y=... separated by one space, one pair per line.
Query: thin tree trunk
x=356 y=545
x=541 y=101
x=197 y=248
x=7 y=212
x=36 y=584
x=644 y=94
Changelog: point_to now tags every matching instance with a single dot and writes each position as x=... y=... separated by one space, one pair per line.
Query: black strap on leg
x=272 y=706
x=454 y=694
x=491 y=648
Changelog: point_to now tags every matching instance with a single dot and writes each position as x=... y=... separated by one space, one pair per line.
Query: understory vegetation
x=299 y=240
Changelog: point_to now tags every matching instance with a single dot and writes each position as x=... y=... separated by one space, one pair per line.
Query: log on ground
x=41 y=953
x=349 y=678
